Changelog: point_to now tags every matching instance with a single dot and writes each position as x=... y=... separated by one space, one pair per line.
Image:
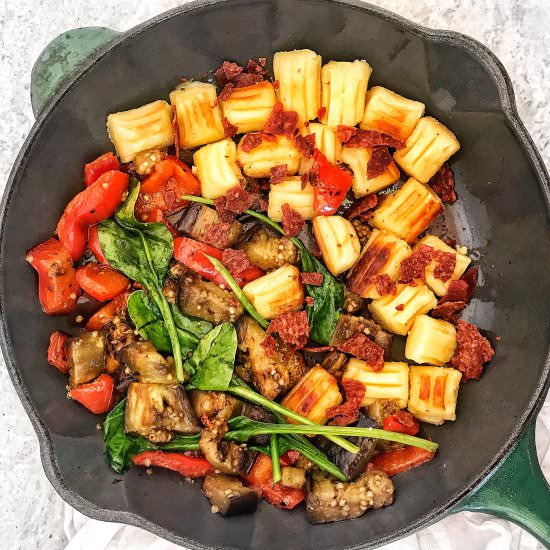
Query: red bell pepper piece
x=188 y=466
x=101 y=281
x=94 y=204
x=58 y=351
x=103 y=316
x=401 y=460
x=403 y=422
x=260 y=479
x=331 y=185
x=162 y=190
x=94 y=246
x=99 y=166
x=158 y=216
x=191 y=253
x=97 y=396
x=57 y=286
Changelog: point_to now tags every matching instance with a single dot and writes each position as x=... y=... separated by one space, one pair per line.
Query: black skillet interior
x=501 y=217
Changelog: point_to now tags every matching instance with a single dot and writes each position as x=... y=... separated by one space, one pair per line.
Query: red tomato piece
x=188 y=466
x=401 y=460
x=58 y=352
x=260 y=479
x=97 y=396
x=331 y=185
x=99 y=166
x=103 y=316
x=101 y=281
x=58 y=289
x=96 y=203
x=403 y=422
x=162 y=190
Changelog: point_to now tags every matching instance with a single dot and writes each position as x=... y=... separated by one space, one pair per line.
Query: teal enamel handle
x=517 y=491
x=61 y=57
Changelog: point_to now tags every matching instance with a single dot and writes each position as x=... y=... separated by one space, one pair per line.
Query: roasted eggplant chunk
x=352 y=465
x=348 y=325
x=86 y=357
x=151 y=367
x=331 y=500
x=335 y=363
x=268 y=251
x=205 y=299
x=225 y=456
x=213 y=407
x=156 y=411
x=228 y=495
x=198 y=218
x=272 y=374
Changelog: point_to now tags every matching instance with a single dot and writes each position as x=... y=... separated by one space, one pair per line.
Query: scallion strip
x=275 y=463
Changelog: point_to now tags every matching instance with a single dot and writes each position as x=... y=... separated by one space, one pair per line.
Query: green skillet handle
x=517 y=491
x=61 y=57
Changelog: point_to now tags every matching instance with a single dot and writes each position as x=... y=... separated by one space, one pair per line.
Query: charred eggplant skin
x=86 y=357
x=225 y=456
x=151 y=367
x=229 y=496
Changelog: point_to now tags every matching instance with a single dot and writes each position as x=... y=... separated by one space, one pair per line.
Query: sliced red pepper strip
x=57 y=286
x=331 y=185
x=191 y=253
x=402 y=422
x=94 y=246
x=162 y=190
x=188 y=466
x=101 y=281
x=401 y=460
x=97 y=396
x=94 y=204
x=106 y=314
x=58 y=351
x=99 y=166
x=260 y=479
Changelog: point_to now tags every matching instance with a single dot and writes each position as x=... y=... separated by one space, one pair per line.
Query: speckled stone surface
x=516 y=30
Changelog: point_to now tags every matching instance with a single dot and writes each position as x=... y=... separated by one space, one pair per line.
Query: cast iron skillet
x=502 y=217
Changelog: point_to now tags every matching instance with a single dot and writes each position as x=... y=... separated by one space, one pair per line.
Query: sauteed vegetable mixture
x=253 y=259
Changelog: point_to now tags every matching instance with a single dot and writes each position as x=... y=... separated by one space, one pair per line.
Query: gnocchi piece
x=343 y=91
x=258 y=162
x=433 y=393
x=337 y=241
x=290 y=192
x=430 y=341
x=198 y=113
x=429 y=146
x=249 y=107
x=141 y=129
x=313 y=395
x=392 y=382
x=217 y=168
x=408 y=211
x=326 y=141
x=411 y=301
x=438 y=286
x=357 y=159
x=391 y=113
x=277 y=292
x=298 y=73
x=382 y=255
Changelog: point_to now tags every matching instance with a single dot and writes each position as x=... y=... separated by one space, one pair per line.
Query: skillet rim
x=496 y=71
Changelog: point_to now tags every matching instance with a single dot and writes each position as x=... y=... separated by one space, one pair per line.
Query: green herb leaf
x=212 y=362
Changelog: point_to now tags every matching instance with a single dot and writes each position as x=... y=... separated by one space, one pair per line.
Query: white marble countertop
x=516 y=30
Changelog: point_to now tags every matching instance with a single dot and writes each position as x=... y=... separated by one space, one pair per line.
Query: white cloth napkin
x=479 y=531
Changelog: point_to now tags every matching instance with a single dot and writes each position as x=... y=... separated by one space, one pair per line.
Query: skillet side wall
x=501 y=216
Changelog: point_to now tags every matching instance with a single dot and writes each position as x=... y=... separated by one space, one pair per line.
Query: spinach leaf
x=212 y=362
x=121 y=447
x=198 y=327
x=328 y=299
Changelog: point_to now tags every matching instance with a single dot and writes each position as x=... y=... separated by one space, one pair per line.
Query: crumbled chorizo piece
x=463 y=289
x=218 y=234
x=414 y=266
x=473 y=350
x=312 y=278
x=309 y=301
x=354 y=137
x=277 y=173
x=292 y=221
x=445 y=265
x=251 y=141
x=292 y=328
x=443 y=183
x=236 y=262
x=229 y=129
x=362 y=347
x=363 y=207
x=281 y=122
x=305 y=145
x=270 y=345
x=235 y=202
x=384 y=284
x=321 y=112
x=448 y=311
x=348 y=412
x=378 y=162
